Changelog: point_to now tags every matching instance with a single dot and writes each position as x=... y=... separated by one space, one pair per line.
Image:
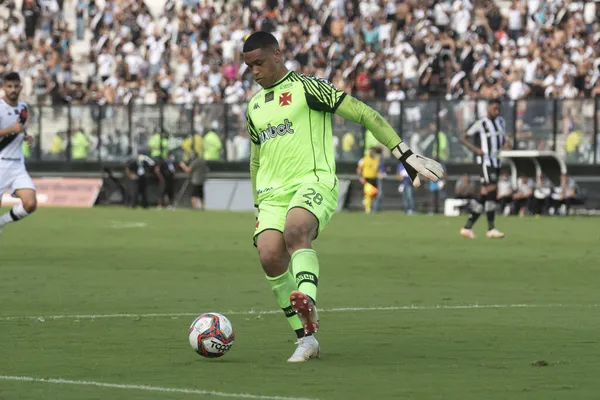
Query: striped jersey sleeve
x=321 y=95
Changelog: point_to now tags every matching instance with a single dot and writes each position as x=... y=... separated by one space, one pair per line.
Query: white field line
x=146 y=388
x=325 y=310
x=127 y=224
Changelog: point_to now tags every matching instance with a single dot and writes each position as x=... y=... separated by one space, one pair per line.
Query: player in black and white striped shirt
x=486 y=138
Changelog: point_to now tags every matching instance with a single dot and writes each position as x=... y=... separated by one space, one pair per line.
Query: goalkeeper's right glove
x=416 y=164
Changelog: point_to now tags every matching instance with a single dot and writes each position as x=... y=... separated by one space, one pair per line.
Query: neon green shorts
x=317 y=198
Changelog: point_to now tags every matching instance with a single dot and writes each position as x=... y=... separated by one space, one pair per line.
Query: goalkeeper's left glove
x=416 y=164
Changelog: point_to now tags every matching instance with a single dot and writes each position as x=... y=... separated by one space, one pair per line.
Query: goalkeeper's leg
x=310 y=210
x=300 y=230
x=275 y=260
x=268 y=238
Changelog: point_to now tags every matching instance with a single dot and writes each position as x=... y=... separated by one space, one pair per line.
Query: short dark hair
x=260 y=40
x=12 y=77
x=495 y=101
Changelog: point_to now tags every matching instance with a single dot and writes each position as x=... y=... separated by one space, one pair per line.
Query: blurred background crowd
x=397 y=54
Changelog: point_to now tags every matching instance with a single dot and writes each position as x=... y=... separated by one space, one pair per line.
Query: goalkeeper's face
x=264 y=64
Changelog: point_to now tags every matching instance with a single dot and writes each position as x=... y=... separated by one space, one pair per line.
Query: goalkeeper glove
x=416 y=164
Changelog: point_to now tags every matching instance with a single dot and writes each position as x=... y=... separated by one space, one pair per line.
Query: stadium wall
x=230 y=190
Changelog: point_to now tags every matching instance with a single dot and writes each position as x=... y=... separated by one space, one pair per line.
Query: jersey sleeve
x=254 y=165
x=355 y=110
x=254 y=154
x=252 y=131
x=321 y=95
x=474 y=128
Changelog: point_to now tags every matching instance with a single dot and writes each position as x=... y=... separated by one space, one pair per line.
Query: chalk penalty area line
x=325 y=310
x=58 y=381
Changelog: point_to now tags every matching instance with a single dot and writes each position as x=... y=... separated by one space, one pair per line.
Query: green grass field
x=531 y=297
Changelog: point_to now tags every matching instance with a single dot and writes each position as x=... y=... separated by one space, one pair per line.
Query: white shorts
x=14 y=177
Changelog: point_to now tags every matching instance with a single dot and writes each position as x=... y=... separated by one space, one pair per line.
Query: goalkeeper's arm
x=254 y=164
x=359 y=112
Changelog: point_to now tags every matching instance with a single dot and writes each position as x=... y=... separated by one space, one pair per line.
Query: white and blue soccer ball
x=211 y=335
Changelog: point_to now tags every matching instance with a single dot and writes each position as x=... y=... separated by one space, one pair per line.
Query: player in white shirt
x=13 y=175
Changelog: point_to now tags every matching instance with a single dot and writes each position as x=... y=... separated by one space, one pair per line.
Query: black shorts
x=372 y=182
x=198 y=191
x=489 y=174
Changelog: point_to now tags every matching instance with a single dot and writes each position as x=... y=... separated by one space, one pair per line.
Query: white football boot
x=308 y=348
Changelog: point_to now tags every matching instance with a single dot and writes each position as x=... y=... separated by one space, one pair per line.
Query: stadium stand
x=111 y=78
x=374 y=49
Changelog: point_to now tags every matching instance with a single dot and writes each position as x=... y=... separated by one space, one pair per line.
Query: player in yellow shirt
x=368 y=170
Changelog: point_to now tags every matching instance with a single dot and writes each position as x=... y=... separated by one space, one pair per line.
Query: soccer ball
x=211 y=335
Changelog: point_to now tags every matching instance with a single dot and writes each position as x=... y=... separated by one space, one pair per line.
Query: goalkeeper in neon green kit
x=294 y=184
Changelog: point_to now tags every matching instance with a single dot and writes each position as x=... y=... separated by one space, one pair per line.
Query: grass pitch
x=531 y=297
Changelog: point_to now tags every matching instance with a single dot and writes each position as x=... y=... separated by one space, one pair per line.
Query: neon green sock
x=282 y=286
x=306 y=271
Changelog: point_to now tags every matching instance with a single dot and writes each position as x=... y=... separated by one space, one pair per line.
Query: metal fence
x=116 y=132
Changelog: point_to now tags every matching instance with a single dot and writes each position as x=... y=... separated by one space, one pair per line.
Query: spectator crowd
x=120 y=51
x=374 y=49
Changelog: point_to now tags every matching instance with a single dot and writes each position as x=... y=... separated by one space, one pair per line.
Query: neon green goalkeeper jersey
x=290 y=127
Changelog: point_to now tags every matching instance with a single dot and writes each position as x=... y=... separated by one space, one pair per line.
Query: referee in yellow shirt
x=367 y=170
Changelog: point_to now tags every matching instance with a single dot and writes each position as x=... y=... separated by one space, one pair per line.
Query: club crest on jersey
x=285 y=99
x=23 y=115
x=269 y=97
x=273 y=131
